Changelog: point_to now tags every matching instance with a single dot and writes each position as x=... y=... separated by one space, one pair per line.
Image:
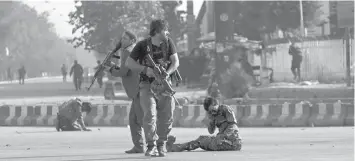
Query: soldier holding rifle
x=158 y=105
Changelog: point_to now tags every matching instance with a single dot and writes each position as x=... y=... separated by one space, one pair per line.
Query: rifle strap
x=150 y=47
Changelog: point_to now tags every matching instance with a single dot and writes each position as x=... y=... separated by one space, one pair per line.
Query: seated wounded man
x=70 y=115
x=227 y=139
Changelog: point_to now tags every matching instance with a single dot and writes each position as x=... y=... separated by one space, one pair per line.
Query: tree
x=176 y=23
x=101 y=23
x=255 y=17
x=30 y=39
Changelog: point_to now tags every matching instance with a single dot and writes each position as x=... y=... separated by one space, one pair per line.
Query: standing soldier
x=70 y=117
x=130 y=81
x=100 y=75
x=22 y=74
x=64 y=71
x=227 y=139
x=78 y=71
x=158 y=108
x=9 y=74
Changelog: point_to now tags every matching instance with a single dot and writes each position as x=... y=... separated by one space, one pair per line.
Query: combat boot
x=192 y=145
x=161 y=151
x=151 y=151
x=171 y=140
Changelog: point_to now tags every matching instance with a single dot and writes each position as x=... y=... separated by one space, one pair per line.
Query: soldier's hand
x=150 y=72
x=108 y=65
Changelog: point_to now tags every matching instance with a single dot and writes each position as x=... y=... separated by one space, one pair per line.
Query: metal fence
x=324 y=59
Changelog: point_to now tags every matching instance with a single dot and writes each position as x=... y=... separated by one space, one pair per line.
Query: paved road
x=52 y=91
x=260 y=144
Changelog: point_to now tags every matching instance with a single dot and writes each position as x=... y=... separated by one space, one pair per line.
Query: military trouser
x=21 y=79
x=67 y=125
x=157 y=122
x=99 y=81
x=77 y=82
x=228 y=141
x=136 y=122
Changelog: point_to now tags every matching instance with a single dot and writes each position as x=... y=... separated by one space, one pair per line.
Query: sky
x=59 y=9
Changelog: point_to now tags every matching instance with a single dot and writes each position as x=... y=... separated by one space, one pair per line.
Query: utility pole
x=347 y=43
x=301 y=19
x=191 y=26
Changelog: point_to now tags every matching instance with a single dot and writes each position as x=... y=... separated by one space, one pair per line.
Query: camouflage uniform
x=227 y=139
x=70 y=117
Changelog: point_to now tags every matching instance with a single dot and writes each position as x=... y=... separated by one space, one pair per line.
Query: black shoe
x=192 y=145
x=171 y=139
x=135 y=150
x=151 y=151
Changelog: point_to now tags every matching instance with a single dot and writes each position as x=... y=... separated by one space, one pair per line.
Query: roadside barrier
x=193 y=115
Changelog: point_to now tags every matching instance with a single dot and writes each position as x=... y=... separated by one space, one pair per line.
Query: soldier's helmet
x=208 y=102
x=86 y=107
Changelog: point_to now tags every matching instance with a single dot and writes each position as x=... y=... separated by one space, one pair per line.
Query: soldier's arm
x=173 y=58
x=229 y=113
x=119 y=72
x=81 y=69
x=79 y=115
x=123 y=70
x=211 y=126
x=132 y=61
x=290 y=50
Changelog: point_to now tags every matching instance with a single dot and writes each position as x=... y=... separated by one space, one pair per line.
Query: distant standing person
x=100 y=75
x=22 y=74
x=78 y=71
x=64 y=70
x=9 y=74
x=296 y=54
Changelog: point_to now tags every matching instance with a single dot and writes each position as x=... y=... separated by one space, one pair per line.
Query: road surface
x=53 y=91
x=260 y=144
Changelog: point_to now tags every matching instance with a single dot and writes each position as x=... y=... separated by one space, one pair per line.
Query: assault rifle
x=161 y=75
x=106 y=61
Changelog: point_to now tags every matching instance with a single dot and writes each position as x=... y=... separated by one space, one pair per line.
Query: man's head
x=128 y=38
x=211 y=105
x=86 y=107
x=196 y=52
x=75 y=62
x=159 y=29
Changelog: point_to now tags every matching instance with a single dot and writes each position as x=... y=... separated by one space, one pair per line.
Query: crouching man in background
x=70 y=115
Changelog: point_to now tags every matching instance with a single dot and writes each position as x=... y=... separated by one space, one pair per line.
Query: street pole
x=191 y=26
x=347 y=57
x=301 y=19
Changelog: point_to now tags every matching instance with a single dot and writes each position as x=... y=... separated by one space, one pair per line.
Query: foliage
x=30 y=39
x=255 y=17
x=177 y=24
x=100 y=24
